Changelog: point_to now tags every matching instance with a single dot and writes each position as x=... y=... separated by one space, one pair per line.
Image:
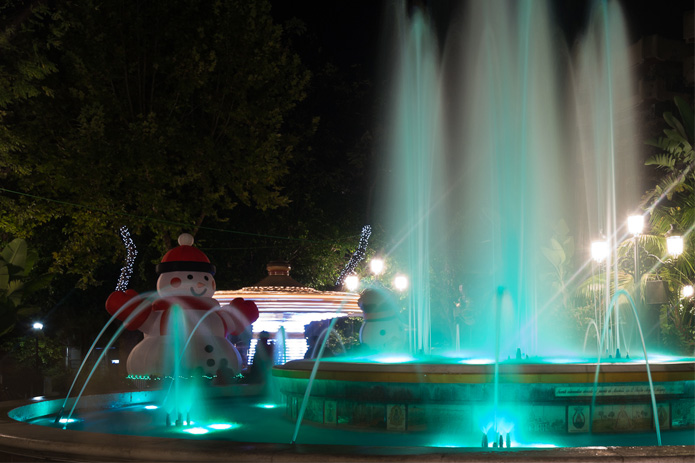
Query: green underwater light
x=199 y=430
x=67 y=420
x=224 y=426
x=268 y=406
x=196 y=431
x=393 y=358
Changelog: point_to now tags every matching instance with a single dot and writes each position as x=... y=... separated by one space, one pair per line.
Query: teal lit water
x=505 y=138
x=245 y=420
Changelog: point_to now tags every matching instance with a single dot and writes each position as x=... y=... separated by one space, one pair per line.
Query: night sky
x=349 y=32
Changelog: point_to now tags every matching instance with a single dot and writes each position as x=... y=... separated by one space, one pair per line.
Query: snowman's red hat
x=185 y=258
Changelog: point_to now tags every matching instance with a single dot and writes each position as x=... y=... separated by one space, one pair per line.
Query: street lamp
x=674 y=245
x=37 y=327
x=376 y=265
x=352 y=282
x=599 y=250
x=635 y=224
x=400 y=282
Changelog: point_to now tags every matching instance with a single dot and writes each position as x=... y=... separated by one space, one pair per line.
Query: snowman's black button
x=209 y=348
x=382 y=332
x=211 y=362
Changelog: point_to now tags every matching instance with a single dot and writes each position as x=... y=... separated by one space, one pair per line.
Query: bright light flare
x=400 y=282
x=221 y=426
x=267 y=406
x=674 y=245
x=352 y=282
x=393 y=358
x=196 y=431
x=37 y=326
x=477 y=361
x=599 y=250
x=635 y=224
x=376 y=265
x=687 y=291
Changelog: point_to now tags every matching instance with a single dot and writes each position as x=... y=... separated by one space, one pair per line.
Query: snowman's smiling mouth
x=205 y=290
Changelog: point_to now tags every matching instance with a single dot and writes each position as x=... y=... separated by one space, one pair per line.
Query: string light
x=357 y=257
x=131 y=253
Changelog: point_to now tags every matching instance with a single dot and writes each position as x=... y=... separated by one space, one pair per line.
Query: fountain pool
x=373 y=410
x=495 y=138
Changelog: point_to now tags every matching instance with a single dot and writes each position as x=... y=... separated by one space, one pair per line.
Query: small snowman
x=382 y=330
x=185 y=329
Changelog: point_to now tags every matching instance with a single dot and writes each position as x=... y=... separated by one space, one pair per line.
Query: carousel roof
x=278 y=292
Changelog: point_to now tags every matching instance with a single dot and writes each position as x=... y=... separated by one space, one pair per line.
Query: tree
x=18 y=285
x=672 y=206
x=161 y=115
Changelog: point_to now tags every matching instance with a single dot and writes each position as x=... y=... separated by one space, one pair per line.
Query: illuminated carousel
x=286 y=306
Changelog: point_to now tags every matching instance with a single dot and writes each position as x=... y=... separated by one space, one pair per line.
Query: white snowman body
x=382 y=330
x=383 y=335
x=188 y=340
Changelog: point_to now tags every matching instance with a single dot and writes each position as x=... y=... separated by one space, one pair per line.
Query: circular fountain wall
x=535 y=402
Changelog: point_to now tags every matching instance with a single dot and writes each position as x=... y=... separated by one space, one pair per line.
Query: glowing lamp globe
x=599 y=250
x=400 y=282
x=687 y=291
x=674 y=245
x=37 y=326
x=376 y=265
x=635 y=224
x=352 y=282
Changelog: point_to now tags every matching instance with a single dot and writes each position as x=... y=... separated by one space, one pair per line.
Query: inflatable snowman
x=185 y=329
x=382 y=330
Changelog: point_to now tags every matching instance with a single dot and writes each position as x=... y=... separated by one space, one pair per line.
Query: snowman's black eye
x=206 y=278
x=190 y=277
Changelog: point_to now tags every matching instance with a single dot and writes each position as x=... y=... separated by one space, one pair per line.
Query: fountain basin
x=548 y=402
x=124 y=426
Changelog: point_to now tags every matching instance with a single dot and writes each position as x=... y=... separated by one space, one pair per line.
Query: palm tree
x=671 y=204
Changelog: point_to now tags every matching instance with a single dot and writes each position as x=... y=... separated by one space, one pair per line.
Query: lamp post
x=635 y=225
x=400 y=283
x=37 y=327
x=599 y=252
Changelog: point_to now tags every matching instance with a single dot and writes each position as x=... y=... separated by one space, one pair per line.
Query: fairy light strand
x=131 y=253
x=358 y=255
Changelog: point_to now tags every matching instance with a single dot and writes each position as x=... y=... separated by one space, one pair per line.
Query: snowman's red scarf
x=186 y=303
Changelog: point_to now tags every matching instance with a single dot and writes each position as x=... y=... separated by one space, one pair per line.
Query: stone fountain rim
x=32 y=441
x=515 y=372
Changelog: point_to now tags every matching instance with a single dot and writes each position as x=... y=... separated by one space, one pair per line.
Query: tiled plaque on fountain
x=330 y=412
x=683 y=414
x=578 y=418
x=395 y=417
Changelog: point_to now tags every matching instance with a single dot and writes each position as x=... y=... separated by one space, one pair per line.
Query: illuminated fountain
x=503 y=143
x=495 y=139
